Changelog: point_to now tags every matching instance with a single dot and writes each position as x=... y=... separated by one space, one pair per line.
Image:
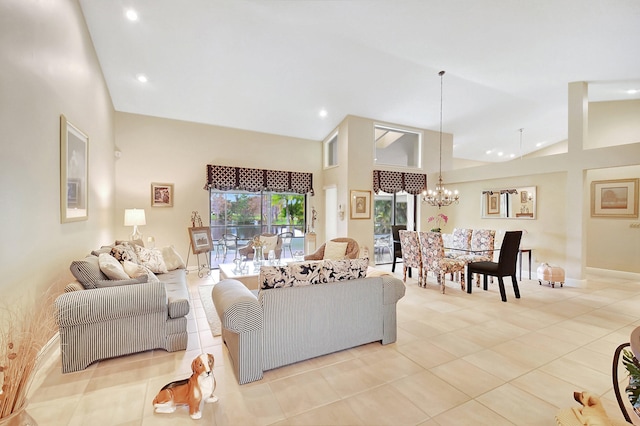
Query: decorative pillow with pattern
x=87 y=271
x=152 y=259
x=136 y=271
x=346 y=269
x=172 y=258
x=309 y=272
x=124 y=252
x=274 y=277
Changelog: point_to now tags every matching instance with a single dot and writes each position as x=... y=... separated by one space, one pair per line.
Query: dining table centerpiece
x=440 y=220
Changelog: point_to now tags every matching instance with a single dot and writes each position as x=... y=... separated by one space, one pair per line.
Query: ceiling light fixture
x=440 y=196
x=131 y=15
x=142 y=78
x=520 y=130
x=323 y=113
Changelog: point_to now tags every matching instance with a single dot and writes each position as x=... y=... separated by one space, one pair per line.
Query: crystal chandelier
x=440 y=196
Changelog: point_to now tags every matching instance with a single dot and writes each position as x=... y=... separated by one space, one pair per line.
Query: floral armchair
x=410 y=246
x=433 y=259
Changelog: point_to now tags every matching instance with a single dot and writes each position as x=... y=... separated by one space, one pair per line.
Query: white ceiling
x=273 y=65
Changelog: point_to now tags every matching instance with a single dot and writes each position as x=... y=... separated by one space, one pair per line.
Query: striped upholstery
x=286 y=325
x=113 y=321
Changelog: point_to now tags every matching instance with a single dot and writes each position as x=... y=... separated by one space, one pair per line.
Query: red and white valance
x=228 y=178
x=392 y=182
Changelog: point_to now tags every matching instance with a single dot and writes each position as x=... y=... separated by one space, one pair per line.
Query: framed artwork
x=493 y=203
x=360 y=204
x=161 y=194
x=74 y=173
x=614 y=198
x=200 y=239
x=524 y=197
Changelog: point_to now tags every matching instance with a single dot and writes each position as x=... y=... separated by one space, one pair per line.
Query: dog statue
x=193 y=391
x=592 y=412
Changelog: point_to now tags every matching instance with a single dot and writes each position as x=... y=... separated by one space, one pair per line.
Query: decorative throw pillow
x=172 y=258
x=132 y=242
x=152 y=259
x=124 y=252
x=136 y=271
x=270 y=243
x=309 y=272
x=103 y=249
x=274 y=277
x=87 y=271
x=111 y=267
x=346 y=269
x=334 y=250
x=115 y=283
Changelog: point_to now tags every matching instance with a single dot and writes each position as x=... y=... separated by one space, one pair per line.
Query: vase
x=257 y=256
x=20 y=417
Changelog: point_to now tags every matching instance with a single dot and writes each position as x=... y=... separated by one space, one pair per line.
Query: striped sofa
x=274 y=327
x=106 y=322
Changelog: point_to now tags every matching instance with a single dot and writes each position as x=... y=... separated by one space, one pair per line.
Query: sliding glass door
x=389 y=210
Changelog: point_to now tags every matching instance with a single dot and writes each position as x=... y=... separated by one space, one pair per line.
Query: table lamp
x=135 y=218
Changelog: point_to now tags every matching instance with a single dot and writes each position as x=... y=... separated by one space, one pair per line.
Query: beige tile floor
x=460 y=359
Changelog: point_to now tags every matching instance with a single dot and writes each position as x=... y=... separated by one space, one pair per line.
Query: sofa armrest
x=393 y=289
x=237 y=306
x=178 y=307
x=104 y=304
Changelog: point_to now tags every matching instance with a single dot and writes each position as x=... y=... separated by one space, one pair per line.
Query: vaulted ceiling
x=273 y=65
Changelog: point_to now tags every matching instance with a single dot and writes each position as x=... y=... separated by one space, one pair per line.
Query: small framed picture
x=524 y=197
x=493 y=203
x=614 y=198
x=360 y=204
x=200 y=239
x=74 y=173
x=161 y=195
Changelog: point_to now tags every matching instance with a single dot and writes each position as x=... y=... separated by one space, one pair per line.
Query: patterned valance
x=227 y=178
x=392 y=182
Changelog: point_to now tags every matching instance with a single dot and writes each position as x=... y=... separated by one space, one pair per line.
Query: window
x=390 y=209
x=331 y=151
x=397 y=147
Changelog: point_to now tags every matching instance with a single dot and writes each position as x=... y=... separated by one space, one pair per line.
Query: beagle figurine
x=193 y=391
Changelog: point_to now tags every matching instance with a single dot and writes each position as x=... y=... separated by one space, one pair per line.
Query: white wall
x=171 y=151
x=49 y=68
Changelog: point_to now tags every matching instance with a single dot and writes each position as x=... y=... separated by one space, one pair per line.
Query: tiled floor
x=460 y=359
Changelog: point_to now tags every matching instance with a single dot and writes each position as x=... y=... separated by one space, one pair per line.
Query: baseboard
x=613 y=273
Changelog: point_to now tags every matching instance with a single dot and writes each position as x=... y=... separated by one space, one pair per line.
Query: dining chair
x=482 y=247
x=504 y=267
x=381 y=244
x=397 y=250
x=434 y=260
x=411 y=258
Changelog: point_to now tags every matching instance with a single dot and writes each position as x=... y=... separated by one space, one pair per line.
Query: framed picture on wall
x=614 y=198
x=161 y=194
x=74 y=173
x=493 y=203
x=200 y=239
x=360 y=204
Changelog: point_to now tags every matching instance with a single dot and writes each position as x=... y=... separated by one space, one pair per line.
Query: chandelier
x=440 y=196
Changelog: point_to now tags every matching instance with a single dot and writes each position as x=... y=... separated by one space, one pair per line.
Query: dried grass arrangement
x=24 y=331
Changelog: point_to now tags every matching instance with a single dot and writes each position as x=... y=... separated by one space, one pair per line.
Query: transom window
x=397 y=147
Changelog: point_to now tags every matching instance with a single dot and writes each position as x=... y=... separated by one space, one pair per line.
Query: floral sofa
x=304 y=310
x=126 y=299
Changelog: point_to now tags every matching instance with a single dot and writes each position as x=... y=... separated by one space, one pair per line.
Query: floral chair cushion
x=434 y=260
x=410 y=249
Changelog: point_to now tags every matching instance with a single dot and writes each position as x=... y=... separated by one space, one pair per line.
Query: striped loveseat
x=100 y=318
x=274 y=327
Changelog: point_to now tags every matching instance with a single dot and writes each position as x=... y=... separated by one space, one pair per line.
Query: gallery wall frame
x=493 y=203
x=360 y=204
x=200 y=237
x=615 y=198
x=161 y=194
x=74 y=173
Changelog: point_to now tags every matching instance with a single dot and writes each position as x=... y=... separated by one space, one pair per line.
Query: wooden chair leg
x=503 y=293
x=441 y=281
x=393 y=265
x=461 y=280
x=484 y=282
x=516 y=290
x=469 y=282
x=404 y=269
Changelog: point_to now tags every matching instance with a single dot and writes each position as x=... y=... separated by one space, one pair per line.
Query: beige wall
x=49 y=68
x=613 y=123
x=171 y=151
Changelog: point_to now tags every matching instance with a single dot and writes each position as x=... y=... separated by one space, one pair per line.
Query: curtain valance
x=227 y=178
x=392 y=182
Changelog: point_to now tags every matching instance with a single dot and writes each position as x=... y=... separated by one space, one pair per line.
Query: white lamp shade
x=134 y=217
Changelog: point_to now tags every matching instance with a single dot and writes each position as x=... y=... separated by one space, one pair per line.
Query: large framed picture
x=360 y=204
x=200 y=239
x=161 y=194
x=74 y=173
x=493 y=203
x=614 y=198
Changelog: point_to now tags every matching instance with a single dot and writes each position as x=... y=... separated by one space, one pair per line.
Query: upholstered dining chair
x=482 y=247
x=397 y=250
x=460 y=242
x=434 y=260
x=411 y=258
x=504 y=267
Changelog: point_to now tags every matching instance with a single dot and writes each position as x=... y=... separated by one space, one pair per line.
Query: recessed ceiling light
x=633 y=91
x=488 y=152
x=512 y=155
x=131 y=15
x=500 y=154
x=323 y=113
x=539 y=144
x=142 y=78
